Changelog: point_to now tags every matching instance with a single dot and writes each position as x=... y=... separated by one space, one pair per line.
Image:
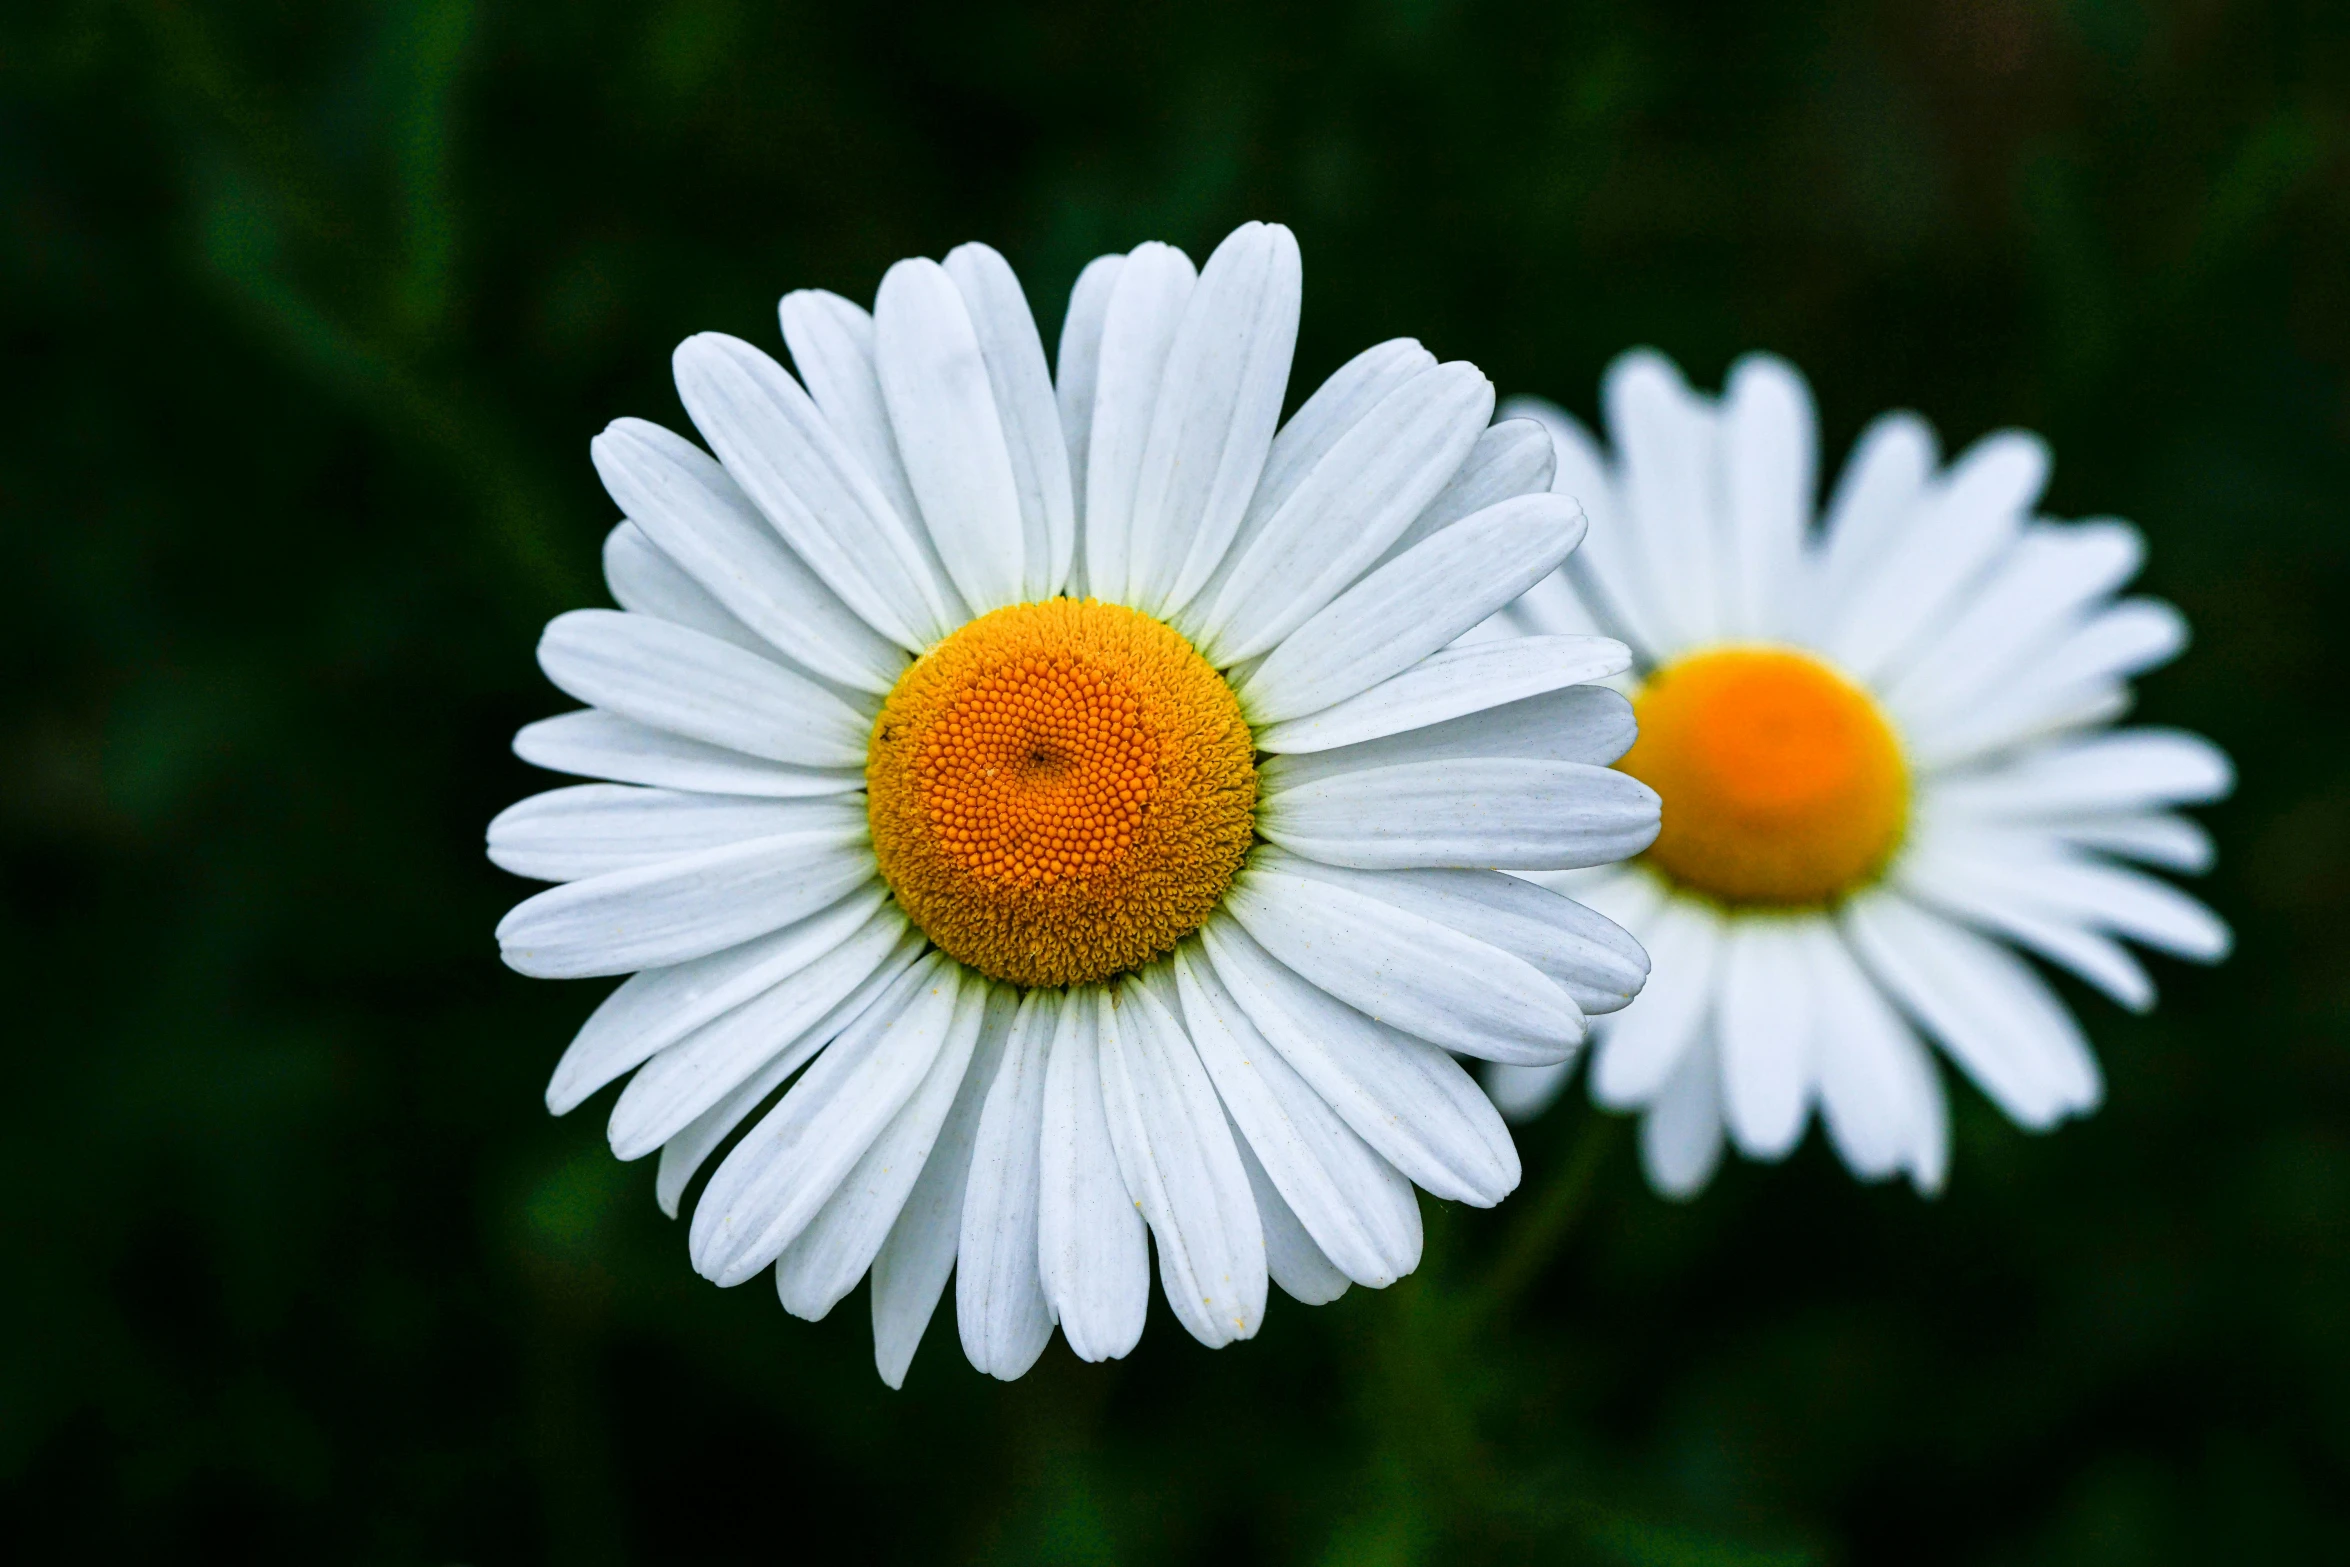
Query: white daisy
x=1883 y=751
x=1063 y=783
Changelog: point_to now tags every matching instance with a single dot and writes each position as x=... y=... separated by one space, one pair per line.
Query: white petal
x=1138 y=330
x=658 y=1007
x=1023 y=393
x=795 y=1018
x=1593 y=960
x=1291 y=1256
x=1951 y=881
x=1220 y=398
x=1337 y=406
x=2102 y=961
x=1626 y=895
x=1967 y=520
x=1500 y=626
x=646 y=582
x=2036 y=874
x=2124 y=640
x=588 y=829
x=1510 y=459
x=1929 y=1156
x=786 y=1167
x=2032 y=595
x=1879 y=1097
x=1344 y=514
x=1358 y=1208
x=1092 y=1258
x=1641 y=1048
x=910 y=1272
x=814 y=489
x=831 y=343
x=1763 y=1021
x=1448 y=684
x=1603 y=585
x=605 y=745
x=999 y=1298
x=1670 y=445
x=1406 y=1098
x=1883 y=484
x=2107 y=772
x=1506 y=814
x=1553 y=607
x=689 y=684
x=1681 y=1133
x=2117 y=643
x=2026 y=713
x=1078 y=366
x=1521 y=1093
x=1412 y=606
x=1406 y=969
x=827 y=1258
x=1992 y=1013
x=687 y=506
x=684 y=1153
x=1770 y=443
x=943 y=411
x=1175 y=1150
x=2172 y=842
x=1587 y=724
x=683 y=908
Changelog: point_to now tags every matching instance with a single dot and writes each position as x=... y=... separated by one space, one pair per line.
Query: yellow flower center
x=1782 y=781
x=1061 y=791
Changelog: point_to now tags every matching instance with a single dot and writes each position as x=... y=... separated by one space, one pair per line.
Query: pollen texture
x=1060 y=791
x=1782 y=782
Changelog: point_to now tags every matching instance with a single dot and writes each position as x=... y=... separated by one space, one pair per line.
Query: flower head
x=1882 y=749
x=1049 y=807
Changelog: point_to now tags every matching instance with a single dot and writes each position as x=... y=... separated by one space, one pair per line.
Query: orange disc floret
x=1060 y=791
x=1782 y=781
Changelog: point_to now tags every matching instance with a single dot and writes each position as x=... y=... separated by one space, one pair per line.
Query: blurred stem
x=1433 y=1485
x=264 y=204
x=1544 y=1221
x=569 y=1430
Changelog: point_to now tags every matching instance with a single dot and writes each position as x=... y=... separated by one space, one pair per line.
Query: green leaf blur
x=310 y=311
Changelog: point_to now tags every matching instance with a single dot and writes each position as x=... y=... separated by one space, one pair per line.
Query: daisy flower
x=1883 y=749
x=1046 y=809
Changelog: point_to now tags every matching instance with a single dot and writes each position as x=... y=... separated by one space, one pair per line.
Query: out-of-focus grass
x=310 y=313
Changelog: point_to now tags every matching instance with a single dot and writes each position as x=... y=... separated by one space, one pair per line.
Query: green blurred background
x=310 y=311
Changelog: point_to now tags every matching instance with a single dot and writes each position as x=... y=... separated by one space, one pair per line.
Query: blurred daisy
x=1882 y=749
x=1050 y=806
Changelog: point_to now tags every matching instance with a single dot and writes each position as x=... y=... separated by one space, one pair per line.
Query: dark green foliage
x=310 y=312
